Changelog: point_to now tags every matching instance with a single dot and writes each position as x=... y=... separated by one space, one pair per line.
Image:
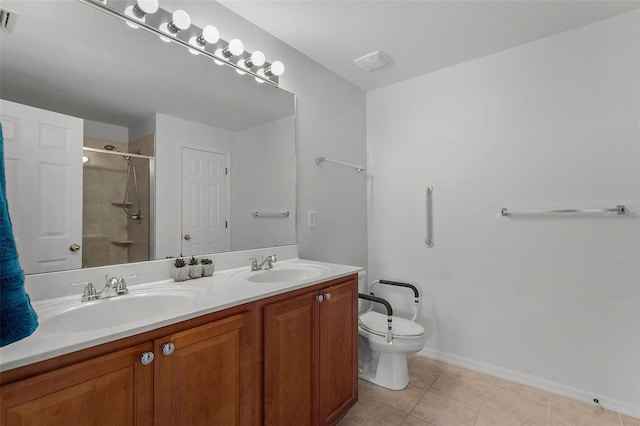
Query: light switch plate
x=312 y=219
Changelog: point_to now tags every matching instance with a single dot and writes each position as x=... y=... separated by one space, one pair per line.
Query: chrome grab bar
x=619 y=210
x=428 y=216
x=264 y=214
x=342 y=163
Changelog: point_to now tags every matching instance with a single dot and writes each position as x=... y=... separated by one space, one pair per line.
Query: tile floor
x=444 y=395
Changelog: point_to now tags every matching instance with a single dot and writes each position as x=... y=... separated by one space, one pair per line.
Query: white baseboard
x=622 y=407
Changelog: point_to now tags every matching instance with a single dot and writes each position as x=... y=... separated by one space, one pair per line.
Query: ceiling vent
x=373 y=61
x=7 y=20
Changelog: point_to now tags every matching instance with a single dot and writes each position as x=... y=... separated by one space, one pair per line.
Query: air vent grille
x=7 y=20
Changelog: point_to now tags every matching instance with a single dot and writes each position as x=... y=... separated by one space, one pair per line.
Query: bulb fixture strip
x=197 y=40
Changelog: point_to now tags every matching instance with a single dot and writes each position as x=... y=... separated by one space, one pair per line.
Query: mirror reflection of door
x=43 y=157
x=205 y=201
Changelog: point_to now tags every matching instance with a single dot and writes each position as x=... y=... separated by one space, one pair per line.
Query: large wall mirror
x=122 y=148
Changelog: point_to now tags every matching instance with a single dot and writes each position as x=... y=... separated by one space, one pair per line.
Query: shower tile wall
x=108 y=236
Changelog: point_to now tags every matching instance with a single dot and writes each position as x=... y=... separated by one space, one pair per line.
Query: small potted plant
x=207 y=267
x=195 y=269
x=180 y=273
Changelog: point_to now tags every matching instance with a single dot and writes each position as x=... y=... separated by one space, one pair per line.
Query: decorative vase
x=207 y=270
x=195 y=271
x=180 y=274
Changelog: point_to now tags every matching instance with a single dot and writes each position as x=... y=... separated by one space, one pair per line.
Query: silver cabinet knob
x=168 y=348
x=74 y=247
x=147 y=358
x=319 y=298
x=187 y=237
x=327 y=296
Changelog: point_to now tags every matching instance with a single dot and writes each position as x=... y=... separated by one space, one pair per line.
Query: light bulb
x=235 y=48
x=210 y=35
x=180 y=21
x=276 y=68
x=257 y=59
x=144 y=7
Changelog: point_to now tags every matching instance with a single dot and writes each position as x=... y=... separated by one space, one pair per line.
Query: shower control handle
x=74 y=247
x=187 y=237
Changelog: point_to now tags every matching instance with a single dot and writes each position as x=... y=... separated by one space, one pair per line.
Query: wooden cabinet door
x=338 y=351
x=204 y=380
x=290 y=361
x=114 y=389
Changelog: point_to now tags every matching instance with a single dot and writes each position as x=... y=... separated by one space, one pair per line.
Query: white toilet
x=385 y=341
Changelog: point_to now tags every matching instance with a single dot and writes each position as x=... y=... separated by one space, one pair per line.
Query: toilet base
x=389 y=370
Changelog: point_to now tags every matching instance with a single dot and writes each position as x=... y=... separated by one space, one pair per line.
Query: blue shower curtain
x=17 y=318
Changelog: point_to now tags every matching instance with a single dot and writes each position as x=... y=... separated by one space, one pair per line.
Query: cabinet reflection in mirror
x=174 y=163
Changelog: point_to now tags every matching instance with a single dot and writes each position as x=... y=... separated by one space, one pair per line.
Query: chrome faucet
x=265 y=264
x=113 y=287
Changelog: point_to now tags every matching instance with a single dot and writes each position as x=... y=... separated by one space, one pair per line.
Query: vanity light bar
x=153 y=22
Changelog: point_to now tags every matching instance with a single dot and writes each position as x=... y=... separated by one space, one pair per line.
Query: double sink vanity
x=243 y=347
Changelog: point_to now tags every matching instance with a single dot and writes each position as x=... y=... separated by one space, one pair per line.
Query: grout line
x=427 y=390
x=549 y=409
x=620 y=418
x=486 y=396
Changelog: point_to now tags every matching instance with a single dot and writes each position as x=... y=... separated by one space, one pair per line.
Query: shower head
x=111 y=148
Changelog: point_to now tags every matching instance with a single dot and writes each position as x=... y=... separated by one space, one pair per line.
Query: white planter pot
x=207 y=270
x=180 y=274
x=195 y=271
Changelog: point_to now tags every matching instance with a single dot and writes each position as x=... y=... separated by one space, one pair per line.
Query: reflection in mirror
x=179 y=151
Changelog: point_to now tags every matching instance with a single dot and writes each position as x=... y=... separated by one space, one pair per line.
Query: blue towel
x=17 y=318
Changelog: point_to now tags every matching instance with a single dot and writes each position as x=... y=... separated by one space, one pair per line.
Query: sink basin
x=283 y=274
x=78 y=317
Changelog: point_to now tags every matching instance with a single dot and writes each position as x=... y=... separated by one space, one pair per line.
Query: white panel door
x=204 y=202
x=43 y=157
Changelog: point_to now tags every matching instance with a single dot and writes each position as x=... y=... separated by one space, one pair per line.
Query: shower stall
x=117 y=201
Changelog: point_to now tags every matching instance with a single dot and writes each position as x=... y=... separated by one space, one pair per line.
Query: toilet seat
x=376 y=323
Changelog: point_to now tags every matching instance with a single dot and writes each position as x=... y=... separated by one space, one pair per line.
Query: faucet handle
x=274 y=258
x=254 y=263
x=121 y=288
x=89 y=292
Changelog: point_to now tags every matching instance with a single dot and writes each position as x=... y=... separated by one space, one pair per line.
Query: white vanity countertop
x=225 y=289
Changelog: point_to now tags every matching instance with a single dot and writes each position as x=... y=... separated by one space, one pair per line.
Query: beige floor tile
x=423 y=371
x=509 y=390
x=629 y=421
x=567 y=412
x=403 y=400
x=463 y=385
x=412 y=421
x=513 y=411
x=371 y=414
x=443 y=411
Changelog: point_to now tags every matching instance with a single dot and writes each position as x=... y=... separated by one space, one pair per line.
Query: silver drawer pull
x=168 y=348
x=319 y=298
x=147 y=358
x=327 y=296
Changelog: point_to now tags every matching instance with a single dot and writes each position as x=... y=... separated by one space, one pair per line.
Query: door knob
x=168 y=348
x=187 y=237
x=327 y=296
x=319 y=298
x=74 y=247
x=147 y=358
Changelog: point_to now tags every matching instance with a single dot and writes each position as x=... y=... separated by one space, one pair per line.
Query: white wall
x=550 y=301
x=260 y=183
x=171 y=135
x=105 y=131
x=330 y=121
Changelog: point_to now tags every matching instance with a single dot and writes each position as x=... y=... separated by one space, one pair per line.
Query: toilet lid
x=376 y=322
